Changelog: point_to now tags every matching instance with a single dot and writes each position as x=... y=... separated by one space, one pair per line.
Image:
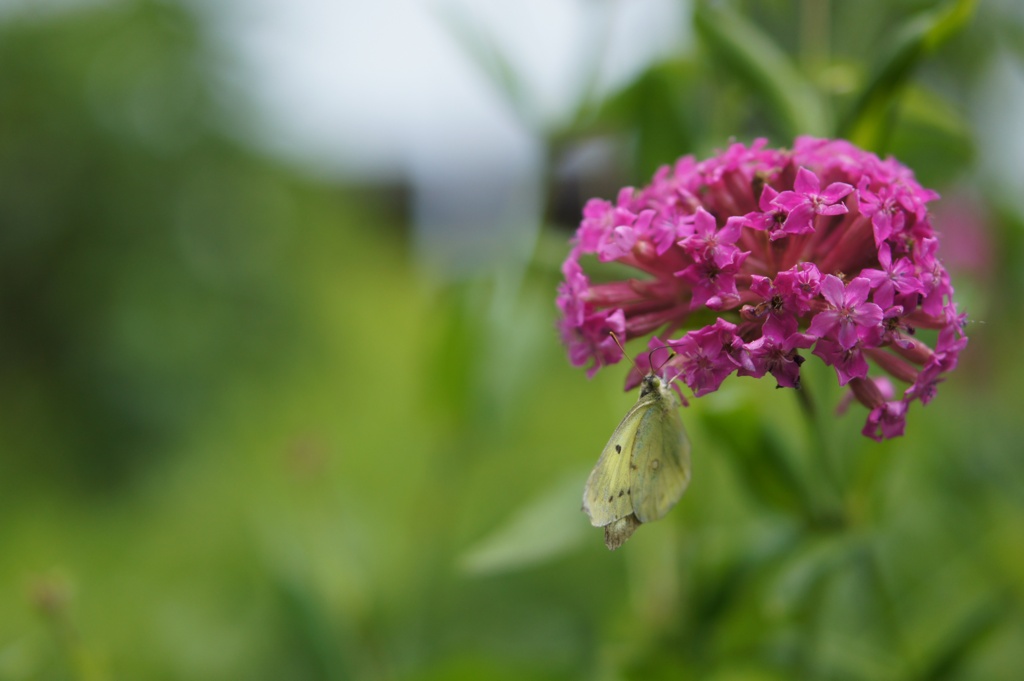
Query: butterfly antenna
x=650 y=356
x=624 y=353
x=650 y=360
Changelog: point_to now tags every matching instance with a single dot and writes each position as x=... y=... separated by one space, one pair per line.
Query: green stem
x=886 y=601
x=824 y=454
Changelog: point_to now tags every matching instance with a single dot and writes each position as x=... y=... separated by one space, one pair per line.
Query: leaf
x=660 y=108
x=765 y=68
x=761 y=462
x=813 y=561
x=932 y=137
x=543 y=529
x=965 y=639
x=869 y=123
x=312 y=635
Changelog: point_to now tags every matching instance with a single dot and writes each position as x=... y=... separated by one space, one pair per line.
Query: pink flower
x=593 y=339
x=778 y=357
x=704 y=358
x=750 y=241
x=807 y=200
x=883 y=207
x=770 y=216
x=849 y=363
x=893 y=278
x=848 y=314
x=705 y=240
x=886 y=421
x=785 y=299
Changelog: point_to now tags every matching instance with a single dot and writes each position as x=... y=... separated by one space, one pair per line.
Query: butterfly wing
x=660 y=468
x=608 y=494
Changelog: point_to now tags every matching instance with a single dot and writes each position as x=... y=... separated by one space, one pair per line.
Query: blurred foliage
x=141 y=252
x=242 y=437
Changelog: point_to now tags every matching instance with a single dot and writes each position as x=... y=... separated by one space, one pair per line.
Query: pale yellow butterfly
x=645 y=467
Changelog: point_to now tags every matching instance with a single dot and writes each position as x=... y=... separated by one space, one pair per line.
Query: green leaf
x=312 y=634
x=660 y=108
x=765 y=68
x=814 y=560
x=869 y=121
x=762 y=463
x=932 y=137
x=548 y=526
x=966 y=638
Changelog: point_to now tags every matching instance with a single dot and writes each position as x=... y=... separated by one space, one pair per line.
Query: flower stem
x=824 y=454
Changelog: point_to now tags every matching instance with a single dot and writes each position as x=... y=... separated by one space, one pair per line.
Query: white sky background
x=369 y=88
x=374 y=90
x=384 y=90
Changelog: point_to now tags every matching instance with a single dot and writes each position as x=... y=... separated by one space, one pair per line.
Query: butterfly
x=645 y=467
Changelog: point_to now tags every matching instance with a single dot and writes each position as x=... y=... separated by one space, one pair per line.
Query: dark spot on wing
x=618 y=449
x=633 y=466
x=629 y=491
x=621 y=492
x=611 y=498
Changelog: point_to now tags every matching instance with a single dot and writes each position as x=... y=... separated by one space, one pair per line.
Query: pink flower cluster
x=824 y=247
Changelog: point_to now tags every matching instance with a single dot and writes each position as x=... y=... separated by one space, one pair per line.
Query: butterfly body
x=645 y=467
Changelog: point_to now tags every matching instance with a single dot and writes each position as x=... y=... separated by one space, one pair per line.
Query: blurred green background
x=258 y=422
